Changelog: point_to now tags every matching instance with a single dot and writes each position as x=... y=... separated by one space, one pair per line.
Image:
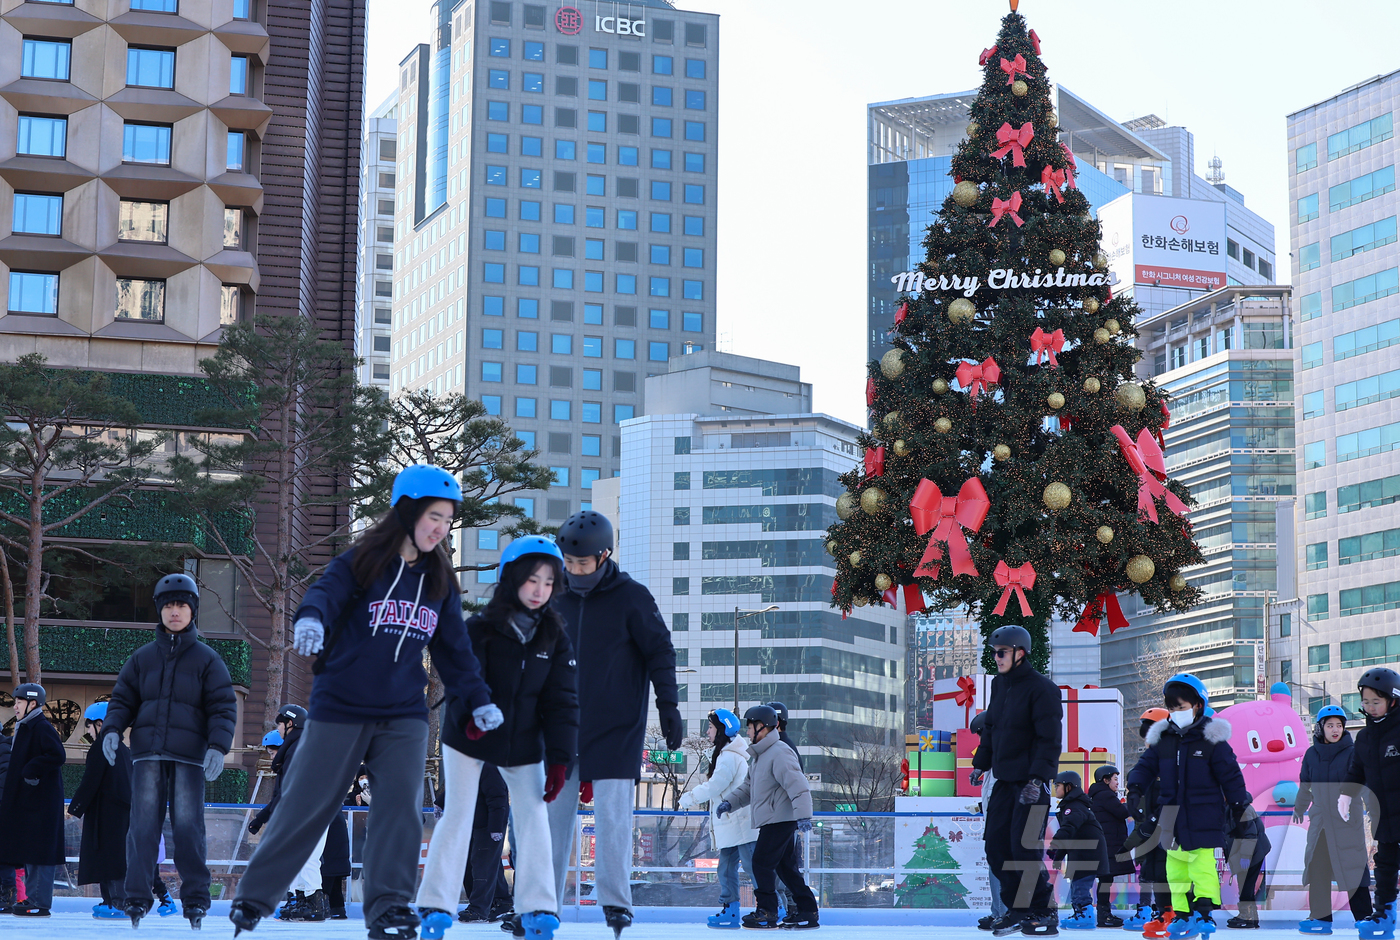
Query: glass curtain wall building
x=555 y=224
x=1342 y=157
x=375 y=288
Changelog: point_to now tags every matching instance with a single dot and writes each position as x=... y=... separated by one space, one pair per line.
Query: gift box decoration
x=931 y=773
x=955 y=701
x=1085 y=762
x=1093 y=718
x=965 y=747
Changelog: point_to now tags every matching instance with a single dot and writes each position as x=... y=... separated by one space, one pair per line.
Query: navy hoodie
x=375 y=670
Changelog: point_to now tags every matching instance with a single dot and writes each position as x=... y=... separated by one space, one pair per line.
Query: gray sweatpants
x=612 y=847
x=313 y=794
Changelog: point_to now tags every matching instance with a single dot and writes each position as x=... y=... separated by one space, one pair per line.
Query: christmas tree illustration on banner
x=1013 y=462
x=925 y=890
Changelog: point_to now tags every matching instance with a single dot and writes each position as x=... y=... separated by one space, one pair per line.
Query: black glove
x=1137 y=803
x=1135 y=838
x=1031 y=792
x=671 y=725
x=254 y=827
x=1244 y=819
x=975 y=778
x=1299 y=814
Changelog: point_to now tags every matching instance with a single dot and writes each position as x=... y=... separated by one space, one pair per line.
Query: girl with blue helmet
x=1336 y=848
x=732 y=835
x=370 y=616
x=528 y=662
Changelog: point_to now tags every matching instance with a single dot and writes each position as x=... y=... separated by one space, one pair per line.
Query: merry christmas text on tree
x=1000 y=279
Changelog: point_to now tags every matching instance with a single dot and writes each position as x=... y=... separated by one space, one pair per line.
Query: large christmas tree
x=1013 y=461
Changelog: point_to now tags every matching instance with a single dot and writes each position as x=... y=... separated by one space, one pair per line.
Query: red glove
x=553 y=782
x=472 y=732
x=585 y=792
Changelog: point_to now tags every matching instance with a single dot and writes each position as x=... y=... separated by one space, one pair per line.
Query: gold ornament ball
x=1141 y=569
x=1056 y=496
x=1101 y=261
x=965 y=194
x=1104 y=534
x=1055 y=400
x=1113 y=326
x=1052 y=119
x=860 y=600
x=831 y=547
x=872 y=500
x=892 y=364
x=1131 y=396
x=1019 y=88
x=940 y=386
x=1102 y=336
x=1091 y=305
x=961 y=310
x=854 y=558
x=882 y=582
x=891 y=420
x=846 y=505
x=1178 y=583
x=1091 y=385
x=1001 y=452
x=972 y=129
x=901 y=449
x=943 y=425
x=1057 y=257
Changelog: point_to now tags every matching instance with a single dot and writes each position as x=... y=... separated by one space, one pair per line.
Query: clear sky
x=795 y=78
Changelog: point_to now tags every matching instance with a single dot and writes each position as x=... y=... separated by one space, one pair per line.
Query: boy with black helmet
x=1375 y=762
x=176 y=697
x=781 y=802
x=1079 y=843
x=781 y=711
x=1021 y=747
x=621 y=643
x=31 y=807
x=1113 y=817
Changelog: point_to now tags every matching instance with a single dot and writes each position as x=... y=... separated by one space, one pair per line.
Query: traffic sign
x=665 y=757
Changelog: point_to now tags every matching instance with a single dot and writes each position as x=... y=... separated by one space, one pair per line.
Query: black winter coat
x=103 y=802
x=1113 y=818
x=783 y=736
x=4 y=759
x=1250 y=849
x=1200 y=779
x=492 y=802
x=1022 y=735
x=1375 y=765
x=1079 y=838
x=281 y=761
x=31 y=817
x=621 y=643
x=535 y=686
x=1320 y=782
x=176 y=696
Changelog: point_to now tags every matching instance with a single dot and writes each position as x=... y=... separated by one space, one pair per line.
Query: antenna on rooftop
x=1215 y=175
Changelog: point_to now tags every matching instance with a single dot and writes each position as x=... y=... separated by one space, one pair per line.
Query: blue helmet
x=97 y=711
x=529 y=545
x=727 y=721
x=1191 y=682
x=1332 y=711
x=424 y=480
x=272 y=739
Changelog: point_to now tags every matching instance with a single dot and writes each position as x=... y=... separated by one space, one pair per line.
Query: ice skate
x=760 y=919
x=469 y=915
x=107 y=912
x=1159 y=926
x=1321 y=927
x=436 y=922
x=1009 y=923
x=136 y=910
x=1043 y=924
x=195 y=915
x=1139 y=918
x=726 y=919
x=1083 y=919
x=396 y=923
x=539 y=925
x=618 y=918
x=511 y=925
x=166 y=907
x=985 y=923
x=316 y=908
x=1106 y=917
x=800 y=920
x=244 y=917
x=1379 y=926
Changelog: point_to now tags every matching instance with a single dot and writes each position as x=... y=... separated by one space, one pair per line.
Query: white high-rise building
x=374 y=291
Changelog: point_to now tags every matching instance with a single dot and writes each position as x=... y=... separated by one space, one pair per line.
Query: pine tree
x=1014 y=394
x=924 y=890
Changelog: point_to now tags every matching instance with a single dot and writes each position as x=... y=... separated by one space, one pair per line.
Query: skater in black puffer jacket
x=1336 y=848
x=1113 y=816
x=1079 y=844
x=1375 y=776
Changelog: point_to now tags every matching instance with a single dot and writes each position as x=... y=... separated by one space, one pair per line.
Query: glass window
x=146 y=143
x=492 y=404
x=692 y=322
x=155 y=68
x=1306 y=157
x=487 y=540
x=660 y=159
x=597 y=89
x=563 y=215
x=623 y=413
x=1313 y=405
x=592 y=347
x=1312 y=355
x=492 y=339
x=527 y=308
x=230 y=310
x=497 y=111
x=1307 y=208
x=695 y=194
x=597 y=153
x=496 y=208
x=593 y=380
x=1365 y=289
x=494 y=273
x=627 y=283
x=594 y=216
x=493 y=306
x=237 y=142
x=596 y=185
x=694 y=225
x=1368 y=339
x=593 y=282
x=37 y=214
x=627 y=156
x=526 y=373
x=1317 y=610
x=1377 y=440
x=1359 y=137
x=493 y=240
x=660 y=319
x=559 y=410
x=695 y=163
x=1362 y=188
x=532 y=82
x=661 y=96
x=1315 y=455
x=693 y=290
x=238 y=76
x=660 y=287
x=1310 y=306
x=563 y=279
x=1368 y=390
x=490 y=371
x=233 y=228
x=528 y=275
x=662 y=65
x=598 y=122
x=561 y=344
x=529 y=210
x=1365 y=238
x=597 y=58
x=242 y=9
x=140 y=299
x=627 y=219
x=660 y=127
x=498 y=78
x=658 y=351
x=561 y=475
x=661 y=222
x=33 y=292
x=495 y=175
x=531 y=114
x=694 y=257
x=529 y=179
x=587 y=476
x=500 y=48
x=624 y=349
x=660 y=254
x=694 y=130
x=694 y=68
x=592 y=414
x=694 y=100
x=525 y=407
x=1318 y=656
x=593 y=249
x=46 y=58
x=534 y=51
x=592 y=443
x=529 y=243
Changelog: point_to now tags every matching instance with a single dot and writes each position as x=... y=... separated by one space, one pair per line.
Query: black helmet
x=1069 y=778
x=1012 y=635
x=1382 y=680
x=781 y=709
x=763 y=715
x=1104 y=772
x=32 y=692
x=293 y=714
x=175 y=584
x=585 y=533
x=978 y=724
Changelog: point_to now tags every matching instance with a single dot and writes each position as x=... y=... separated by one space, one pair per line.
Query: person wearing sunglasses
x=1021 y=747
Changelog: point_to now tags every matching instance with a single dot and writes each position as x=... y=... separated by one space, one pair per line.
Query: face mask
x=1183 y=718
x=583 y=583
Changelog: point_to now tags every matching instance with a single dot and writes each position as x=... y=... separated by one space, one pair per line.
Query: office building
x=1341 y=155
x=724 y=509
x=1226 y=360
x=374 y=314
x=909 y=151
x=555 y=223
x=168 y=167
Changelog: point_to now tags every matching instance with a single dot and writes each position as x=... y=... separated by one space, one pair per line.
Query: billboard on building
x=1164 y=241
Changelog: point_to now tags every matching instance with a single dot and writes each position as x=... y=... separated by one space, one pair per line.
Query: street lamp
x=740 y=614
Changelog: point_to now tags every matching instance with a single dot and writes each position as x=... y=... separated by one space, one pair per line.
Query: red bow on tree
x=901 y=313
x=1012 y=66
x=1035 y=42
x=1052 y=180
x=1014 y=142
x=978 y=377
x=1069 y=176
x=1002 y=207
x=1166 y=423
x=1011 y=579
x=1047 y=344
x=942 y=517
x=875 y=461
x=913 y=598
x=869 y=392
x=986 y=55
x=1106 y=603
x=1146 y=461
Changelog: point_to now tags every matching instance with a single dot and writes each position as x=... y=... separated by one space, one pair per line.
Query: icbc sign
x=619 y=26
x=568 y=21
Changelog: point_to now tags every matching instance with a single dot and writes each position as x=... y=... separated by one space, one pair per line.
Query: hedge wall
x=93 y=649
x=231 y=786
x=169 y=400
x=149 y=516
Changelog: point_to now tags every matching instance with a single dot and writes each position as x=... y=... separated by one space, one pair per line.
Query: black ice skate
x=617 y=918
x=759 y=919
x=1008 y=923
x=244 y=916
x=399 y=922
x=510 y=923
x=136 y=910
x=800 y=920
x=1041 y=924
x=195 y=915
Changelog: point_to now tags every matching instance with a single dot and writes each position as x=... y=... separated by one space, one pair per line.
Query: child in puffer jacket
x=734 y=836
